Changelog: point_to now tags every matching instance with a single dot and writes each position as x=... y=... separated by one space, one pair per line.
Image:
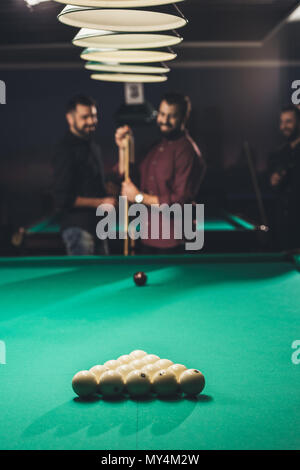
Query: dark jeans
x=79 y=242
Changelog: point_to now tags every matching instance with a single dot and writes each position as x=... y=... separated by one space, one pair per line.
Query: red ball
x=140 y=278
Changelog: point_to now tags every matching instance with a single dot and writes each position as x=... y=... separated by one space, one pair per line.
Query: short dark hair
x=79 y=99
x=290 y=108
x=181 y=101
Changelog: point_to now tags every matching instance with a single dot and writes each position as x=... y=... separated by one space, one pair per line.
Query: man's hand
x=277 y=177
x=109 y=200
x=129 y=190
x=120 y=135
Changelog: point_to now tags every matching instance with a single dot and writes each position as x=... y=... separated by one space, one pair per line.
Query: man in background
x=78 y=179
x=284 y=179
x=170 y=173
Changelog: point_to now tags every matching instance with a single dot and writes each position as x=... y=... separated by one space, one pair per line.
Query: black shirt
x=77 y=171
x=287 y=159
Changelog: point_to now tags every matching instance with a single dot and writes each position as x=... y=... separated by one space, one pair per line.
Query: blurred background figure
x=170 y=173
x=284 y=179
x=78 y=179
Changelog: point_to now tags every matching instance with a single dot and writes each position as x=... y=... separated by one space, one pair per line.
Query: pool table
x=224 y=232
x=234 y=317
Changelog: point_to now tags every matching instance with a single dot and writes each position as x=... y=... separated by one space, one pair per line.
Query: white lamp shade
x=295 y=16
x=119 y=20
x=127 y=57
x=127 y=77
x=125 y=68
x=32 y=3
x=105 y=39
x=117 y=3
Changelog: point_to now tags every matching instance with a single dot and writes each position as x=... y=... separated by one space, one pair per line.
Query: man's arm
x=183 y=188
x=130 y=190
x=63 y=191
x=93 y=202
x=276 y=173
x=150 y=200
x=120 y=135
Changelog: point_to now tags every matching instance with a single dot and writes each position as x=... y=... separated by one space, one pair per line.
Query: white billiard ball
x=191 y=382
x=164 y=363
x=84 y=383
x=111 y=384
x=138 y=383
x=124 y=370
x=112 y=364
x=136 y=364
x=137 y=354
x=150 y=369
x=150 y=359
x=125 y=359
x=177 y=369
x=98 y=370
x=165 y=383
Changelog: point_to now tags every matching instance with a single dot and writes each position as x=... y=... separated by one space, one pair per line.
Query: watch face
x=139 y=198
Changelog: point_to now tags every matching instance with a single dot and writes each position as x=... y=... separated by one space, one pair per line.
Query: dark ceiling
x=217 y=29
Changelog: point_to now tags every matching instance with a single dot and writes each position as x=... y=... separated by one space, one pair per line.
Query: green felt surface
x=234 y=318
x=219 y=225
x=48 y=225
x=223 y=222
x=240 y=222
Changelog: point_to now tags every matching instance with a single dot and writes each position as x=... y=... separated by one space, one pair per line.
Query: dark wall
x=230 y=105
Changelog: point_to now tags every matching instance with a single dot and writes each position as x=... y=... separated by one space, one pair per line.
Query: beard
x=171 y=133
x=86 y=132
x=292 y=135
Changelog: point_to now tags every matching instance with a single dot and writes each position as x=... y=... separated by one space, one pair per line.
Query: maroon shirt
x=173 y=171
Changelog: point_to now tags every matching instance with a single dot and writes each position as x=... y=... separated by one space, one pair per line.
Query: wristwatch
x=139 y=198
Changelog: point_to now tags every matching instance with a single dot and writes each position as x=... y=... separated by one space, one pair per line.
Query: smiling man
x=78 y=179
x=171 y=172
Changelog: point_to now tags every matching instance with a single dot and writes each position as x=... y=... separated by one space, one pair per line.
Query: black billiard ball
x=140 y=278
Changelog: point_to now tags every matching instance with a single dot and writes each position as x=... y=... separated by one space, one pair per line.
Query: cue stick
x=126 y=176
x=132 y=160
x=256 y=187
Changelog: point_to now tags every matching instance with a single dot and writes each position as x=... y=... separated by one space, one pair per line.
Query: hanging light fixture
x=116 y=3
x=32 y=3
x=119 y=20
x=128 y=78
x=109 y=39
x=125 y=68
x=295 y=16
x=117 y=38
x=127 y=57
